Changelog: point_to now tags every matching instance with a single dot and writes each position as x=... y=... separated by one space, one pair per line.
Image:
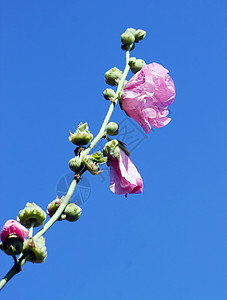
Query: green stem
x=60 y=209
x=13 y=271
x=111 y=108
x=30 y=233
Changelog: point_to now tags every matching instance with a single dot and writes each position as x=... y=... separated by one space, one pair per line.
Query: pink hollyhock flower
x=124 y=176
x=13 y=227
x=147 y=95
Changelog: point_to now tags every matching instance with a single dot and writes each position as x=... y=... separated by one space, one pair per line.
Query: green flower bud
x=93 y=161
x=112 y=148
x=112 y=128
x=132 y=30
x=53 y=206
x=32 y=214
x=75 y=164
x=136 y=65
x=127 y=38
x=113 y=76
x=139 y=35
x=109 y=94
x=13 y=245
x=82 y=135
x=35 y=250
x=72 y=212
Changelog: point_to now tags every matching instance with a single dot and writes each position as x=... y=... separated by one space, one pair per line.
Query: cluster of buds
x=14 y=234
x=71 y=213
x=130 y=37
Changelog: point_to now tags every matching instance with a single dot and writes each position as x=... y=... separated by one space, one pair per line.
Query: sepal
x=82 y=136
x=32 y=214
x=93 y=161
x=35 y=250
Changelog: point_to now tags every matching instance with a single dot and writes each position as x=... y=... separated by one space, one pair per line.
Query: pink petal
x=147 y=96
x=13 y=227
x=124 y=176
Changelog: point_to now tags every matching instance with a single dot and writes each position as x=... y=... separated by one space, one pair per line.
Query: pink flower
x=13 y=227
x=147 y=95
x=124 y=176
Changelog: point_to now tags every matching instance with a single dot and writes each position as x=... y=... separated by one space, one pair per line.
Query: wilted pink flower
x=13 y=227
x=147 y=95
x=124 y=176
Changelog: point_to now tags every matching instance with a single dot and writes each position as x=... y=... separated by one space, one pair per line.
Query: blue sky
x=169 y=243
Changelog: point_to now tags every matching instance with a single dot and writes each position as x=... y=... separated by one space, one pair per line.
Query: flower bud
x=112 y=148
x=132 y=30
x=113 y=76
x=12 y=237
x=127 y=38
x=108 y=94
x=53 y=206
x=32 y=214
x=93 y=161
x=139 y=35
x=136 y=65
x=112 y=128
x=35 y=250
x=75 y=164
x=72 y=212
x=82 y=135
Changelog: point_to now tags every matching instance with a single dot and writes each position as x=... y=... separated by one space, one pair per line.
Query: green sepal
x=82 y=135
x=32 y=214
x=112 y=148
x=12 y=245
x=93 y=161
x=35 y=250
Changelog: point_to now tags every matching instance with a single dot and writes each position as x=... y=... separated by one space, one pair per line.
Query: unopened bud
x=127 y=38
x=112 y=148
x=136 y=65
x=112 y=128
x=12 y=237
x=113 y=76
x=31 y=215
x=139 y=35
x=35 y=250
x=108 y=94
x=72 y=212
x=53 y=206
x=75 y=164
x=132 y=30
x=82 y=135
